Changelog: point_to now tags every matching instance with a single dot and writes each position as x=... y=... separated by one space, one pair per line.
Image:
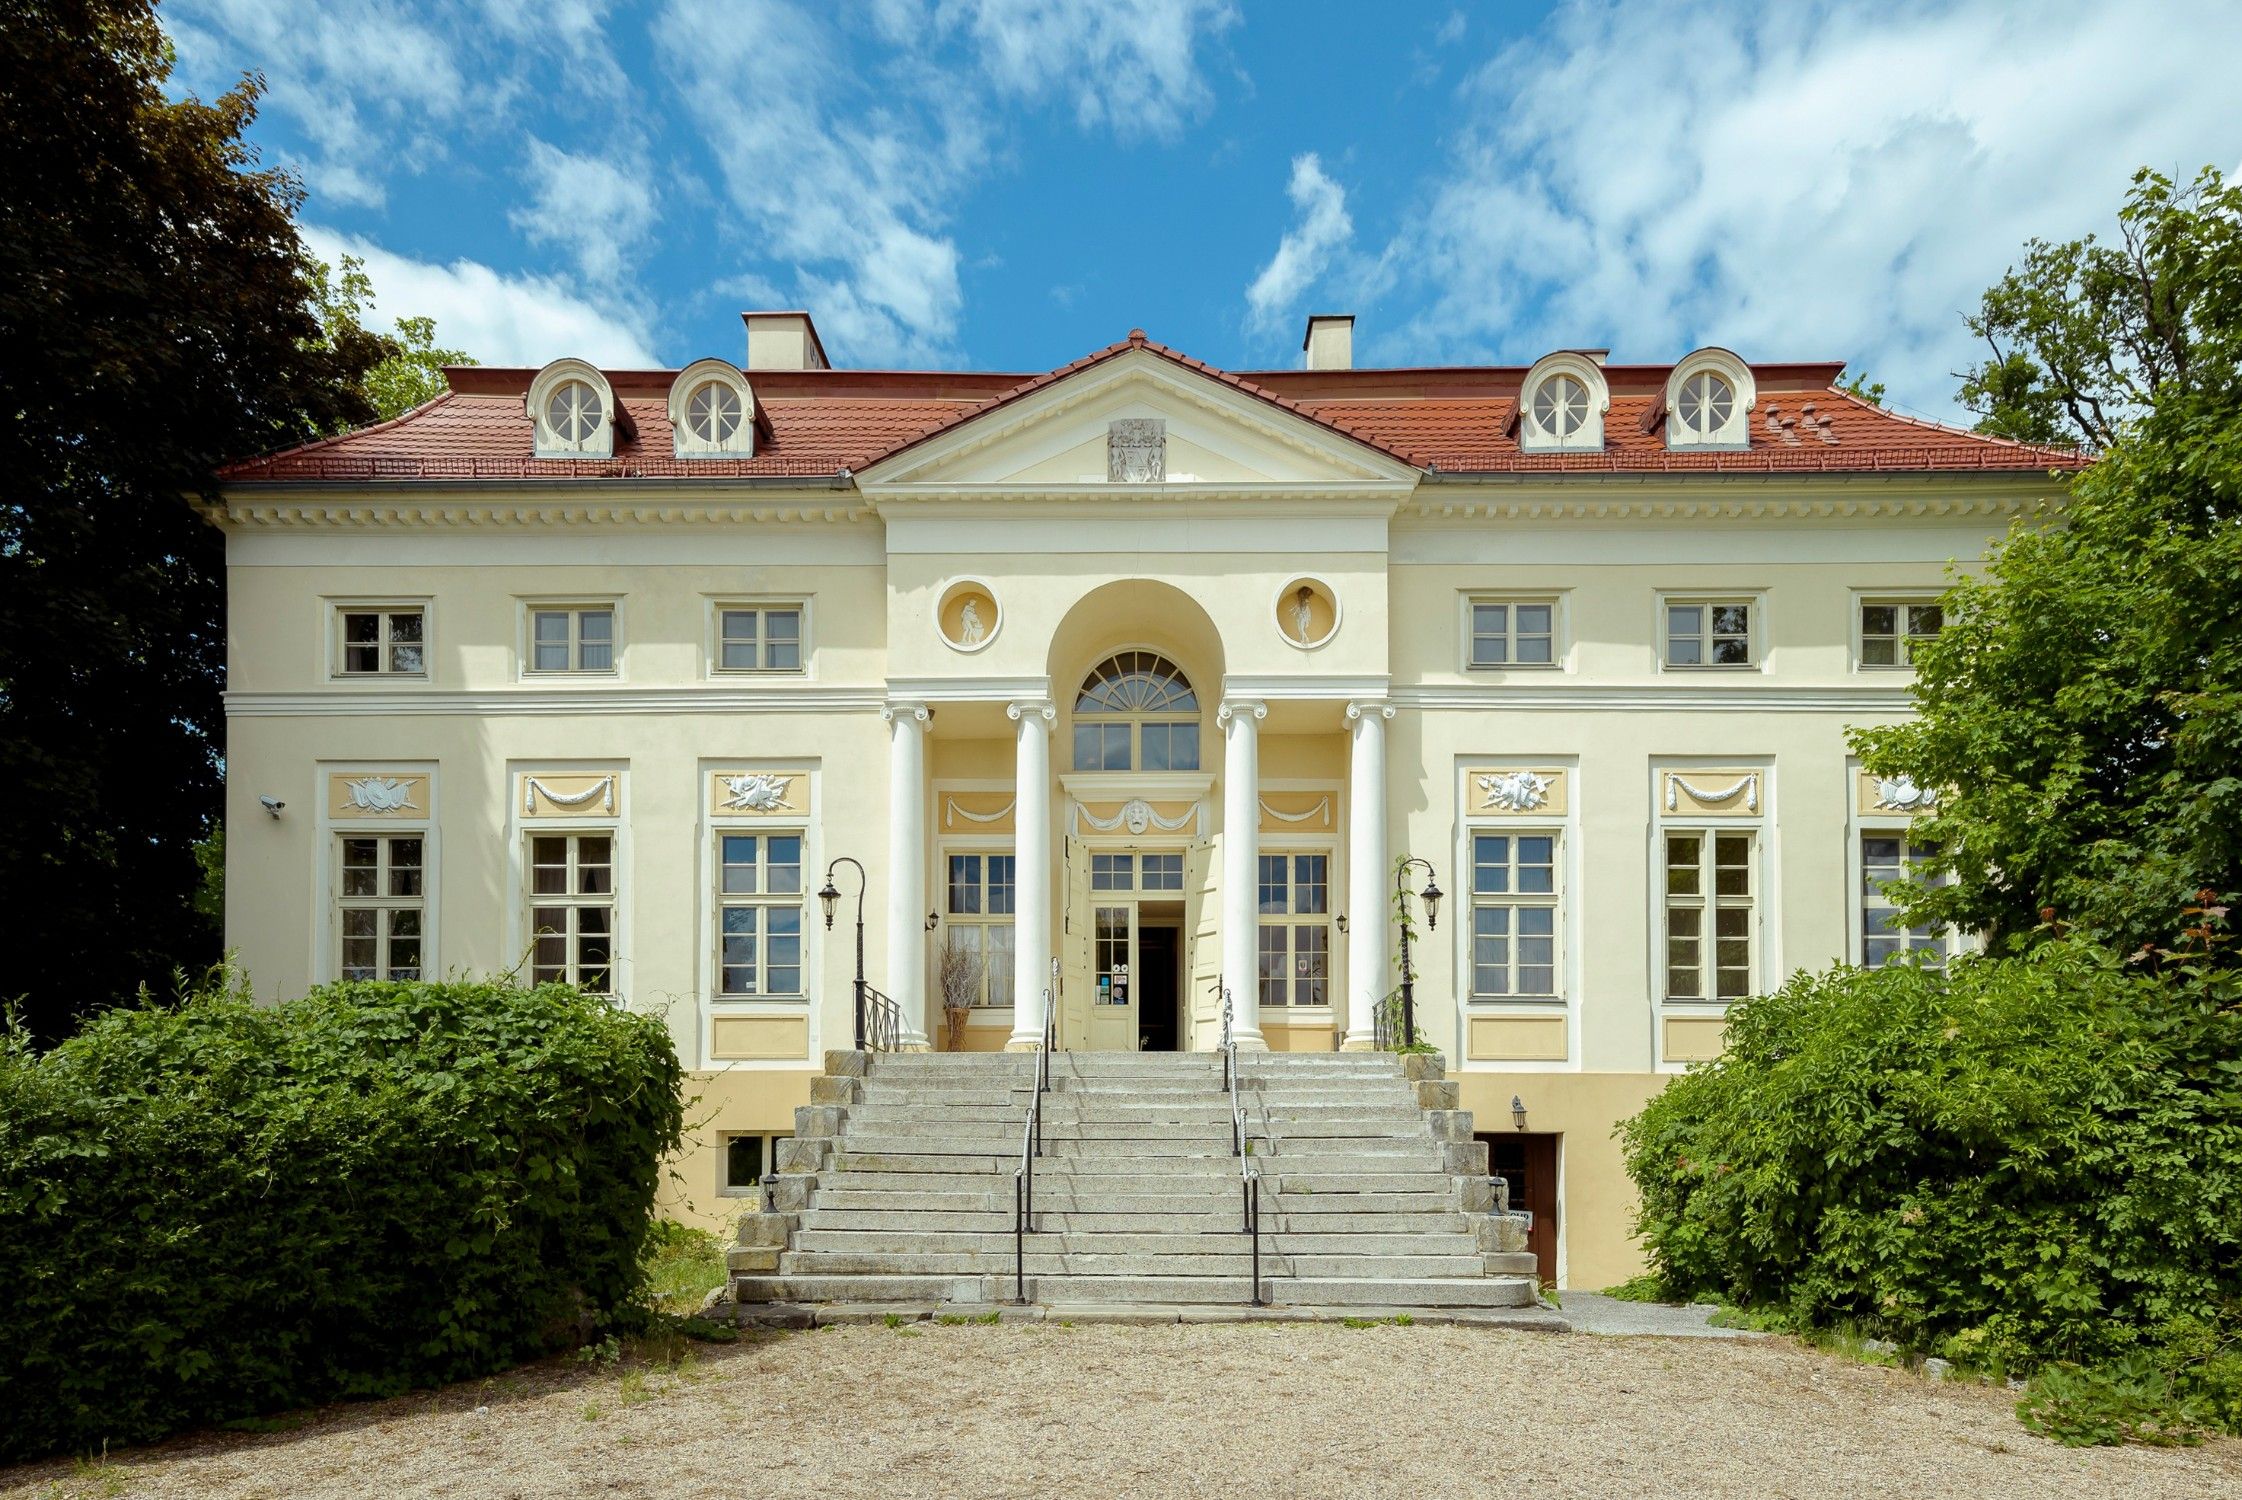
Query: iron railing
x=1031 y=1147
x=879 y=1020
x=1387 y=1024
x=1241 y=1146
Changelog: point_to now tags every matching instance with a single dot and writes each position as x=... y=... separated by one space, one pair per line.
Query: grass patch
x=683 y=1265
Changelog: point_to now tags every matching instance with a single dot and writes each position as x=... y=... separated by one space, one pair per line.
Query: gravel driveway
x=1220 y=1411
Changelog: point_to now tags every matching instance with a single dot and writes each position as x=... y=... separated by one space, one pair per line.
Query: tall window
x=1513 y=915
x=1891 y=632
x=1708 y=633
x=759 y=898
x=979 y=924
x=759 y=638
x=382 y=642
x=1136 y=712
x=1295 y=929
x=1710 y=914
x=381 y=902
x=572 y=910
x=1513 y=632
x=572 y=640
x=1885 y=859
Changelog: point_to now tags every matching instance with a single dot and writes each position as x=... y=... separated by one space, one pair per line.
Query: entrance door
x=1157 y=979
x=1528 y=1162
x=1113 y=1001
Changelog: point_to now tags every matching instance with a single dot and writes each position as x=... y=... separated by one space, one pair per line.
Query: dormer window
x=712 y=411
x=572 y=408
x=1709 y=399
x=1562 y=406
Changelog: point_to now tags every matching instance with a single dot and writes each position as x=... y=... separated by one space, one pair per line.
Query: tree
x=413 y=372
x=1864 y=389
x=2085 y=337
x=155 y=321
x=2081 y=714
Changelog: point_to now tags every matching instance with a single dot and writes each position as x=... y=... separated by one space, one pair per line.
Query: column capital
x=899 y=709
x=1361 y=708
x=1027 y=710
x=1233 y=708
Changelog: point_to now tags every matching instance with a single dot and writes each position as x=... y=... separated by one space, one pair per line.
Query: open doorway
x=1528 y=1162
x=1159 y=983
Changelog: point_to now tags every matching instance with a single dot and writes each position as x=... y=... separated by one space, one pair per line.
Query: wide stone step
x=1045 y=1258
x=1099 y=1110
x=1050 y=1218
x=1167 y=1240
x=1059 y=1292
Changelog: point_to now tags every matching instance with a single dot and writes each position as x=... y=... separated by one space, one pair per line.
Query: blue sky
x=1009 y=184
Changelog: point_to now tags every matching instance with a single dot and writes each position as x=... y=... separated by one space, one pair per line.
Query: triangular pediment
x=1210 y=433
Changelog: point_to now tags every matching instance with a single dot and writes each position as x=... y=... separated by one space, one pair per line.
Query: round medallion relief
x=1307 y=612
x=968 y=616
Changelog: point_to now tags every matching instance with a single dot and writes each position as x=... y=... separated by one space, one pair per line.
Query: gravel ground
x=1111 y=1412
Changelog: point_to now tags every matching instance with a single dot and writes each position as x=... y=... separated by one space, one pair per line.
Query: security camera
x=272 y=805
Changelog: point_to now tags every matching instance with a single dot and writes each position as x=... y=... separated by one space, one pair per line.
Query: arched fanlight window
x=572 y=411
x=1562 y=404
x=1136 y=712
x=712 y=411
x=1709 y=398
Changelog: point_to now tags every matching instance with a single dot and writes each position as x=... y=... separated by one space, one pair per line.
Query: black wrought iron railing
x=1241 y=1146
x=879 y=1020
x=1031 y=1147
x=1388 y=1025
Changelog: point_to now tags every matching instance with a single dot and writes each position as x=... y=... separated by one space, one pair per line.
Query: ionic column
x=1031 y=870
x=1240 y=720
x=906 y=869
x=1366 y=873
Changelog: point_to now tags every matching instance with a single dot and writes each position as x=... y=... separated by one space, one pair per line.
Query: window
x=746 y=1158
x=1888 y=857
x=381 y=902
x=572 y=412
x=1110 y=936
x=1163 y=872
x=759 y=638
x=1710 y=915
x=571 y=408
x=1708 y=633
x=382 y=642
x=979 y=925
x=1560 y=406
x=1136 y=711
x=1513 y=915
x=1295 y=929
x=572 y=640
x=1513 y=632
x=759 y=901
x=1707 y=402
x=572 y=910
x=713 y=412
x=1890 y=632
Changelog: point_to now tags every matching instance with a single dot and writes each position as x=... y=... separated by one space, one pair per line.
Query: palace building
x=1135 y=681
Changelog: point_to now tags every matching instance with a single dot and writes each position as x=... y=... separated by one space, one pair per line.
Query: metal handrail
x=879 y=1020
x=1031 y=1147
x=1249 y=1177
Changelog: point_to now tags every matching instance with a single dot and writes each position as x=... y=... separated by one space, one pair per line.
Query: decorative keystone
x=1449 y=1124
x=1432 y=1094
x=1423 y=1067
x=847 y=1064
x=820 y=1121
x=762 y=1229
x=824 y=1090
x=1466 y=1157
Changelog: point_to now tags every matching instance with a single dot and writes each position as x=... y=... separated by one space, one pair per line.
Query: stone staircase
x=898 y=1186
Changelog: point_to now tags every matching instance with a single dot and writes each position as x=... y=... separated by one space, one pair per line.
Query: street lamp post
x=829 y=898
x=1431 y=896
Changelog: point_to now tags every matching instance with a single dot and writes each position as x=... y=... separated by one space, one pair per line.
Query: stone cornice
x=547 y=702
x=1747 y=497
x=371 y=511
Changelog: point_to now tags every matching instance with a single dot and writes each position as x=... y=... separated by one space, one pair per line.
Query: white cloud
x=1321 y=228
x=1815 y=180
x=602 y=211
x=1127 y=65
x=497 y=318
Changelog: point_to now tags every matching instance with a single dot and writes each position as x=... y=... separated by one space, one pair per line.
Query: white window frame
x=1289 y=921
x=725 y=1186
x=1553 y=900
x=1559 y=644
x=1901 y=599
x=1733 y=435
x=575 y=607
x=760 y=900
x=337 y=643
x=1137 y=721
x=1755 y=603
x=545 y=442
x=1708 y=901
x=1589 y=437
x=719 y=606
x=382 y=902
x=981 y=921
x=574 y=901
x=687 y=444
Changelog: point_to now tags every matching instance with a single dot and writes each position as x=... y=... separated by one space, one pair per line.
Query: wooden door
x=1113 y=999
x=1075 y=975
x=1528 y=1162
x=1202 y=962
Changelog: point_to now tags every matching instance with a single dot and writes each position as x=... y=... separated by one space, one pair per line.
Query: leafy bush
x=228 y=1208
x=2025 y=1161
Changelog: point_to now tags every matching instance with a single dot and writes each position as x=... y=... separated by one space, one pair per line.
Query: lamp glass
x=828 y=898
x=1432 y=894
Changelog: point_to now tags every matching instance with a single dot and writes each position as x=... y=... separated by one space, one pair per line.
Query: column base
x=1017 y=1044
x=1359 y=1044
x=914 y=1044
x=1250 y=1041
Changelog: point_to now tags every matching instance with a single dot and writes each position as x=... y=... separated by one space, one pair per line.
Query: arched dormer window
x=1561 y=406
x=712 y=411
x=1709 y=400
x=572 y=409
x=1136 y=712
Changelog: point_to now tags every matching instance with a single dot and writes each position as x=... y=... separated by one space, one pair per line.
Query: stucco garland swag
x=1316 y=814
x=1138 y=815
x=952 y=812
x=532 y=789
x=1749 y=786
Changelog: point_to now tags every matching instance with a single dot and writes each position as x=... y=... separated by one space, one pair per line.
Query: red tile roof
x=1458 y=421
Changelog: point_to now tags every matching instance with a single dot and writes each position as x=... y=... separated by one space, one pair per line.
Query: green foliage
x=156 y=322
x=1860 y=387
x=230 y=1209
x=683 y=1265
x=1649 y=1286
x=412 y=372
x=2130 y=1400
x=2028 y=1160
x=2085 y=338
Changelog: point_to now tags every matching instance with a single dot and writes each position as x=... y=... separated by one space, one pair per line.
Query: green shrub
x=225 y=1209
x=2028 y=1160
